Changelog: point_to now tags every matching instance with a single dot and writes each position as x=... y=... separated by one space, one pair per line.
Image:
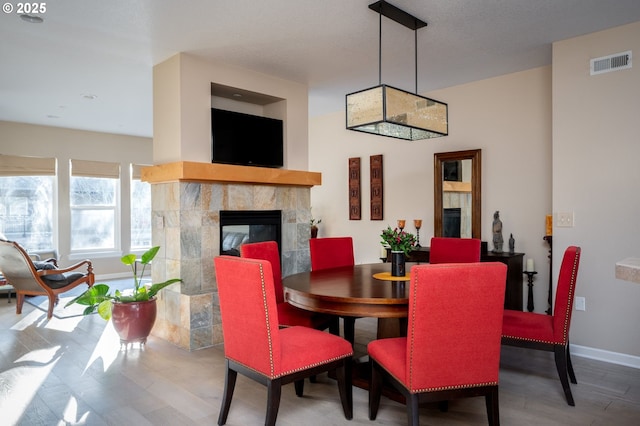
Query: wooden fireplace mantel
x=187 y=171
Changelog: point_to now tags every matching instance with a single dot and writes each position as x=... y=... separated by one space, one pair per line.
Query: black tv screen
x=247 y=140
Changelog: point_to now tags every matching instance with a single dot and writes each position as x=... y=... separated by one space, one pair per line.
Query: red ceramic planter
x=133 y=321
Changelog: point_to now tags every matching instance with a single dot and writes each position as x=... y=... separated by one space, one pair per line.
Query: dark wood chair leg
x=493 y=407
x=334 y=326
x=375 y=390
x=343 y=374
x=560 y=352
x=274 y=391
x=299 y=385
x=229 y=386
x=413 y=409
x=572 y=375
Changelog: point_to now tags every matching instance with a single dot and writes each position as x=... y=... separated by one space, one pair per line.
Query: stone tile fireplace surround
x=186 y=201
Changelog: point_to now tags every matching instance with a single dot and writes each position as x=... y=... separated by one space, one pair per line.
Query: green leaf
x=128 y=259
x=148 y=256
x=92 y=296
x=155 y=288
x=104 y=309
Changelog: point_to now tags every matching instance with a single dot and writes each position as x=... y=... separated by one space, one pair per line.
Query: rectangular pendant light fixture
x=392 y=112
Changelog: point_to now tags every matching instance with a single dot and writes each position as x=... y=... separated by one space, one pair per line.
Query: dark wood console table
x=514 y=262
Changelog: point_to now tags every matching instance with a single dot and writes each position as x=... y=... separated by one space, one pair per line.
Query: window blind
x=84 y=168
x=13 y=165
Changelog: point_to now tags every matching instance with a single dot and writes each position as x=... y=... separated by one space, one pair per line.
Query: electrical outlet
x=564 y=220
x=581 y=304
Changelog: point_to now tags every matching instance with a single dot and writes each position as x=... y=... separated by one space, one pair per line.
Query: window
x=140 y=210
x=94 y=205
x=27 y=201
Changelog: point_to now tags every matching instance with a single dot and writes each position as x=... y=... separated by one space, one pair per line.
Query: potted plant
x=133 y=311
x=401 y=244
x=313 y=226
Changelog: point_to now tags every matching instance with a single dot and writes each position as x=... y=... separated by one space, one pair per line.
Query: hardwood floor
x=72 y=371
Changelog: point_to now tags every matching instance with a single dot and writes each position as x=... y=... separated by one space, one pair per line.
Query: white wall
x=508 y=117
x=182 y=108
x=596 y=157
x=66 y=144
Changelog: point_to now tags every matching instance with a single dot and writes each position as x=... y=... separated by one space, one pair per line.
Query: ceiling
x=89 y=64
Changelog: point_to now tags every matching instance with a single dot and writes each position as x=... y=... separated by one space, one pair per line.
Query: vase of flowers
x=401 y=244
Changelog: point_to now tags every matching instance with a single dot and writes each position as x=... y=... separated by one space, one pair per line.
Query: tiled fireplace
x=187 y=199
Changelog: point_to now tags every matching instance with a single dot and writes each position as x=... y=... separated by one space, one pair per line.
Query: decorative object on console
x=530 y=275
x=418 y=224
x=386 y=111
x=375 y=175
x=497 y=233
x=354 y=188
x=512 y=244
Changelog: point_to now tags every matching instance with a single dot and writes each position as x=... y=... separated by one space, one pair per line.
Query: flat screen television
x=247 y=140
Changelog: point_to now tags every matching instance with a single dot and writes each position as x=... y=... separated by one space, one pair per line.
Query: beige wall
x=596 y=152
x=508 y=117
x=182 y=108
x=66 y=144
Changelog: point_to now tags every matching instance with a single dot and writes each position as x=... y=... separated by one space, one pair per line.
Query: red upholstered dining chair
x=256 y=347
x=452 y=348
x=334 y=252
x=454 y=250
x=549 y=332
x=331 y=252
x=288 y=315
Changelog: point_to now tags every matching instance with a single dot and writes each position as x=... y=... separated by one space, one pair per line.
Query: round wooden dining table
x=350 y=291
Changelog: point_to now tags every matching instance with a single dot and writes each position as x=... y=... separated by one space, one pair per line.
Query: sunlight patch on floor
x=106 y=349
x=18 y=385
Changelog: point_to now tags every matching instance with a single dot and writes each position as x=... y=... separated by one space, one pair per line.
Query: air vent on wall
x=618 y=61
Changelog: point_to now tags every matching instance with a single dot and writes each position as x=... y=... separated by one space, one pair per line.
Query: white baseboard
x=606 y=356
x=116 y=276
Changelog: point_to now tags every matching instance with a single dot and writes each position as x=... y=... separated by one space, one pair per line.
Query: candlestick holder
x=530 y=275
x=401 y=224
x=418 y=225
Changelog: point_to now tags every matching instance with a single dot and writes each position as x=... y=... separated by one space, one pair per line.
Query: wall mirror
x=457 y=196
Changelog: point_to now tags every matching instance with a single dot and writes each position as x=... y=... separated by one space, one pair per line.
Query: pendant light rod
x=380 y=48
x=400 y=16
x=415 y=36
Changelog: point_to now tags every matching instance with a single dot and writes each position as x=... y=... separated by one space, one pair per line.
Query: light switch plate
x=564 y=220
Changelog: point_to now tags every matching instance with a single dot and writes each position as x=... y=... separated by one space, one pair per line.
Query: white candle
x=530 y=267
x=383 y=252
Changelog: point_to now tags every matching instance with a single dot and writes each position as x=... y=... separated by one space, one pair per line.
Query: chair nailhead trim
x=266 y=314
x=442 y=388
x=302 y=368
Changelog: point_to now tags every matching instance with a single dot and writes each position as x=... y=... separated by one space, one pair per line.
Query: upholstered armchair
x=452 y=348
x=255 y=345
x=454 y=250
x=549 y=332
x=30 y=278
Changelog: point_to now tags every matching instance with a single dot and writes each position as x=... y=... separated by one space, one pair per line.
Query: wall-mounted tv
x=247 y=140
